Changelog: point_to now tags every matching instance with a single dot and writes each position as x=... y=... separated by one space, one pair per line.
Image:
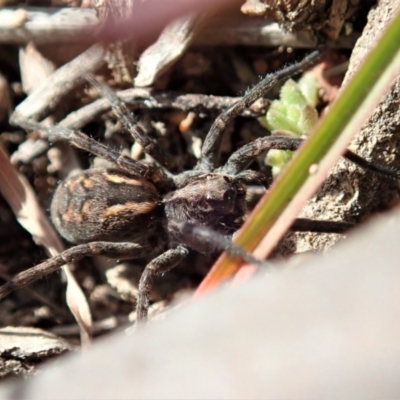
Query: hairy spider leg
x=82 y=141
x=224 y=242
x=163 y=263
x=241 y=158
x=76 y=253
x=122 y=112
x=211 y=147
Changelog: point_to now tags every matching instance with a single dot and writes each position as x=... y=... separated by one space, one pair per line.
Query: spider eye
x=229 y=194
x=241 y=191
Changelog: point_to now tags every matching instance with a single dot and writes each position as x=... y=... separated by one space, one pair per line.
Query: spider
x=140 y=208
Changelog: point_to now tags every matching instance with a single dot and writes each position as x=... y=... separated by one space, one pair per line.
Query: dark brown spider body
x=141 y=208
x=113 y=206
x=108 y=205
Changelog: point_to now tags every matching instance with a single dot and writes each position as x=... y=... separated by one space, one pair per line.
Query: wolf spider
x=140 y=208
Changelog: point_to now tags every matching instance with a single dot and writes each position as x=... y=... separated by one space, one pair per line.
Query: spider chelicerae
x=140 y=208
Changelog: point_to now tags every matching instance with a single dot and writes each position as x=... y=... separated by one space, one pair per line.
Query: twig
x=47 y=25
x=148 y=99
x=61 y=82
x=138 y=99
x=173 y=41
x=69 y=25
x=262 y=32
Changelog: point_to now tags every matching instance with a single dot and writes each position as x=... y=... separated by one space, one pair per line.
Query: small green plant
x=294 y=113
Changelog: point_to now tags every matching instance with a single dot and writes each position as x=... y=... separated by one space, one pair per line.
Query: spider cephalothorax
x=215 y=201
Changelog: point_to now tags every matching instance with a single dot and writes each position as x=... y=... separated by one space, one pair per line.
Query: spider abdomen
x=107 y=205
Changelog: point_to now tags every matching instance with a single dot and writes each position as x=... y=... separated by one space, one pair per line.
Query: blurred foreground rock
x=327 y=328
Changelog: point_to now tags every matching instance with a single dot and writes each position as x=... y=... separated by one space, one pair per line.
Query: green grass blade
x=322 y=149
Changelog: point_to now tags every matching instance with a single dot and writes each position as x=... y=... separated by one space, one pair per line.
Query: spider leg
x=224 y=242
x=250 y=177
x=82 y=141
x=383 y=170
x=76 y=253
x=217 y=240
x=242 y=157
x=320 y=226
x=122 y=112
x=160 y=264
x=212 y=143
